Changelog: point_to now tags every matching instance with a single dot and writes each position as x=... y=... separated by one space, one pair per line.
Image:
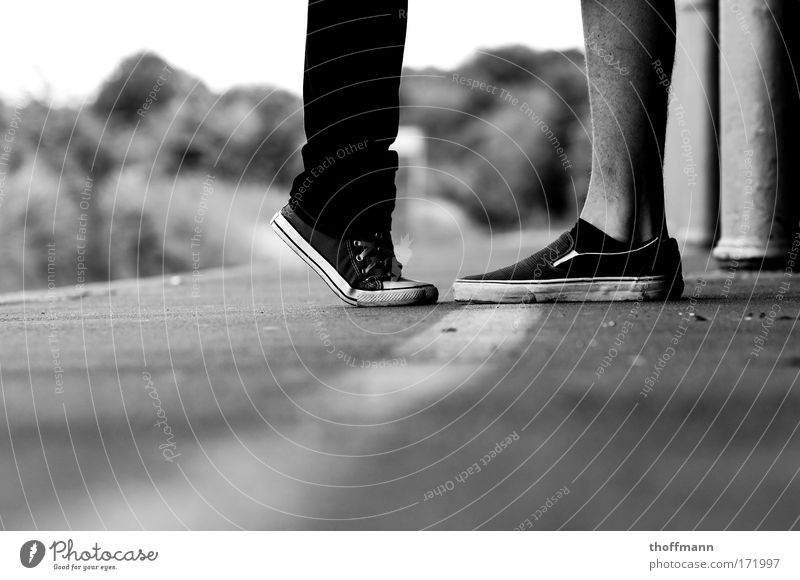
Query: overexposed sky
x=65 y=49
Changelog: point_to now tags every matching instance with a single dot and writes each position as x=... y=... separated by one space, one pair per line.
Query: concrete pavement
x=251 y=398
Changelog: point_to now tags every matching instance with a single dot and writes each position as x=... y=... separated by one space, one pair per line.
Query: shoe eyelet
x=359 y=258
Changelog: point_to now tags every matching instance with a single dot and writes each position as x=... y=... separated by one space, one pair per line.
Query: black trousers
x=354 y=58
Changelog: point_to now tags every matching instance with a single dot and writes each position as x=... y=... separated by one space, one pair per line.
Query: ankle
x=614 y=224
x=633 y=231
x=624 y=219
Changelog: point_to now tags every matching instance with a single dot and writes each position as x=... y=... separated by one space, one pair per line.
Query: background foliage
x=120 y=187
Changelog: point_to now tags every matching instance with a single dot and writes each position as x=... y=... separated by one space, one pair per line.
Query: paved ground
x=252 y=399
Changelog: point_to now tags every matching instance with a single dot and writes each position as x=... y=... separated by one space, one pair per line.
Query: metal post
x=691 y=168
x=412 y=149
x=758 y=109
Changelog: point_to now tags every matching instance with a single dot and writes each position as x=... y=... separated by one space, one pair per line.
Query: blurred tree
x=262 y=129
x=127 y=168
x=141 y=83
x=513 y=148
x=69 y=140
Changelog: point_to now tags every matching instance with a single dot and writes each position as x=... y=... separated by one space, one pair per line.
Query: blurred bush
x=114 y=186
x=112 y=189
x=508 y=133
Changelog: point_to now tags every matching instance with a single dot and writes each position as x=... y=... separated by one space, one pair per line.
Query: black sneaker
x=589 y=267
x=362 y=272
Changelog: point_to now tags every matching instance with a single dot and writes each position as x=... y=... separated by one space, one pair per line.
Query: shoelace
x=377 y=257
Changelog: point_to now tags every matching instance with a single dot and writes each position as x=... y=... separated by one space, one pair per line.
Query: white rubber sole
x=410 y=293
x=564 y=290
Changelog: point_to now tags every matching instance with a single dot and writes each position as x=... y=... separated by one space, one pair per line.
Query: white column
x=758 y=113
x=691 y=169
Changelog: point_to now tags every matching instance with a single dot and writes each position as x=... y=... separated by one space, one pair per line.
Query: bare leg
x=624 y=38
x=630 y=46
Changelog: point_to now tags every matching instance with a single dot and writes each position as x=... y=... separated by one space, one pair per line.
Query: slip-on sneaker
x=569 y=271
x=362 y=272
